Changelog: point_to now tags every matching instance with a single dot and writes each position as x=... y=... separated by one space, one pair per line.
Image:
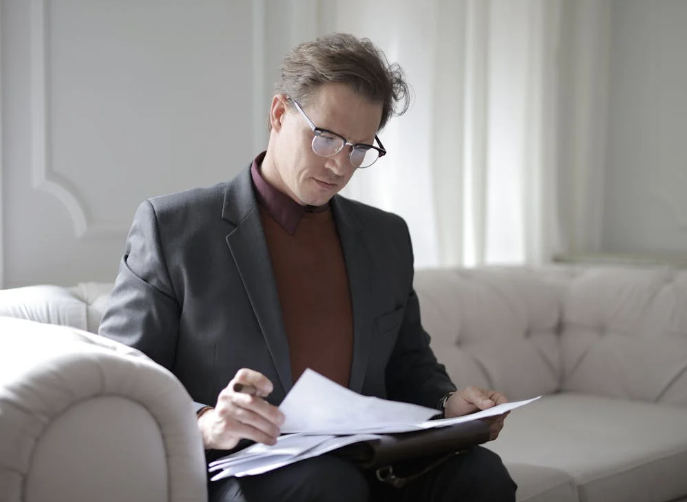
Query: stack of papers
x=322 y=416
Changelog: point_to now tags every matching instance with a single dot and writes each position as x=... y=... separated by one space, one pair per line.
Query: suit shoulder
x=374 y=217
x=194 y=199
x=183 y=214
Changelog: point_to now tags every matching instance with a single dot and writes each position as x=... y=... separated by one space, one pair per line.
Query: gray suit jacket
x=196 y=293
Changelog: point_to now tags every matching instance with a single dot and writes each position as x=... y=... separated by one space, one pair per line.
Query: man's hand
x=240 y=415
x=472 y=399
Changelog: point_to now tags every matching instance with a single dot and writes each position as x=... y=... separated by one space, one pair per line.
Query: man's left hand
x=472 y=399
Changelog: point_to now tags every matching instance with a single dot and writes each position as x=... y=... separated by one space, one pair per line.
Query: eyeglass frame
x=319 y=130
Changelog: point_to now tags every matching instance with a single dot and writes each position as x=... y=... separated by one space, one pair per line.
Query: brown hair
x=343 y=58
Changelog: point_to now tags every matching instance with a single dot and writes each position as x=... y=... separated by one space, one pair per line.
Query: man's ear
x=277 y=111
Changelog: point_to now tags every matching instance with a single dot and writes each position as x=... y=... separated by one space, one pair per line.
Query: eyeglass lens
x=327 y=145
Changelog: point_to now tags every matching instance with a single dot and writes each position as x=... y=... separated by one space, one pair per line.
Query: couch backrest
x=496 y=327
x=619 y=332
x=625 y=334
x=80 y=307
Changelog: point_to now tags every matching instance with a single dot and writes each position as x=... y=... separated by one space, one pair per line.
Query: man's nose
x=339 y=163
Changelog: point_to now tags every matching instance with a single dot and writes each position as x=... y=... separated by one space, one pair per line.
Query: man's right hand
x=241 y=415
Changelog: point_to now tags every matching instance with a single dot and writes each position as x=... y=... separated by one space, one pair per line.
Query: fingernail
x=487 y=402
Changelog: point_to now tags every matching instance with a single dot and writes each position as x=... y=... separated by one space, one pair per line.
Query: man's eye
x=330 y=140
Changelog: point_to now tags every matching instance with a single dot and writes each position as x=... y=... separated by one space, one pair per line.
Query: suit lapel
x=249 y=249
x=359 y=269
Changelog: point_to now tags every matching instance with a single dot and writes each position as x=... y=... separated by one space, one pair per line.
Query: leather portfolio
x=396 y=448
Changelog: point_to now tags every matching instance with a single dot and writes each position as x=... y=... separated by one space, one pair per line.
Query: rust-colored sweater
x=312 y=282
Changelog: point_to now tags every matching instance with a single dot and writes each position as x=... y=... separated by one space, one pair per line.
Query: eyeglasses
x=327 y=143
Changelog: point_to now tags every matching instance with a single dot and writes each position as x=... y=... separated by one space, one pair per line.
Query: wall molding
x=44 y=179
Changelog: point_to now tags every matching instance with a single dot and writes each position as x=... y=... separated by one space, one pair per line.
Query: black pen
x=245 y=388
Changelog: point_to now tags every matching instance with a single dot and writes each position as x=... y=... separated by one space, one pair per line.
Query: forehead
x=340 y=109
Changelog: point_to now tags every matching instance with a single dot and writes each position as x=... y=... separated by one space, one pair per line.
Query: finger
x=478 y=397
x=497 y=418
x=495 y=429
x=247 y=431
x=248 y=417
x=493 y=434
x=231 y=412
x=247 y=377
x=258 y=406
x=497 y=397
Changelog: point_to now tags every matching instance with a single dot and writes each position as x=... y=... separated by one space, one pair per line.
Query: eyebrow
x=371 y=143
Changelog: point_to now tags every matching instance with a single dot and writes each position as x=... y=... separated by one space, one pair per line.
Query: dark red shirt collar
x=282 y=208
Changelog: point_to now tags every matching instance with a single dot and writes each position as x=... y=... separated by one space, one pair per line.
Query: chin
x=312 y=198
x=318 y=201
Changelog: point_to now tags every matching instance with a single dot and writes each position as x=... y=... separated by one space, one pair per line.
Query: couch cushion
x=542 y=484
x=487 y=324
x=615 y=449
x=625 y=334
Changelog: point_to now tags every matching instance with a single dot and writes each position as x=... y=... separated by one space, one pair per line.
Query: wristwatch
x=441 y=405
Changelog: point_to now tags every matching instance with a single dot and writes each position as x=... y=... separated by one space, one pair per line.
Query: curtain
x=472 y=166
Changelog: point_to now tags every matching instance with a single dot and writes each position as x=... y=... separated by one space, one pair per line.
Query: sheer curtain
x=472 y=165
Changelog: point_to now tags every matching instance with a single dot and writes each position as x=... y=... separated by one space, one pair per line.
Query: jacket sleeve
x=413 y=373
x=143 y=310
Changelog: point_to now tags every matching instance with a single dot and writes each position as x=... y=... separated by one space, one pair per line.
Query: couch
x=605 y=346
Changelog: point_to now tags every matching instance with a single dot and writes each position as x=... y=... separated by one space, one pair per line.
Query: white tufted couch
x=83 y=418
x=607 y=347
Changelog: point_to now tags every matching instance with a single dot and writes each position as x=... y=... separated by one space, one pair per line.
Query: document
x=491 y=412
x=316 y=405
x=290 y=445
x=322 y=416
x=267 y=461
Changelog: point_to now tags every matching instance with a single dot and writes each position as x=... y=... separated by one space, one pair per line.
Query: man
x=252 y=281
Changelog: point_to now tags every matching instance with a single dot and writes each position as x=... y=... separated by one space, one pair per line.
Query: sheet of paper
x=252 y=465
x=290 y=445
x=491 y=412
x=326 y=446
x=380 y=428
x=316 y=405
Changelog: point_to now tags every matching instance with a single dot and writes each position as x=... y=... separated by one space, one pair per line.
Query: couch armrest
x=86 y=418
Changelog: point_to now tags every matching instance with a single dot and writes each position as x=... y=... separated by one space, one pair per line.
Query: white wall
x=645 y=197
x=107 y=103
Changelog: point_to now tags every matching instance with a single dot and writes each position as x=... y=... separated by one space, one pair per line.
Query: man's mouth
x=324 y=184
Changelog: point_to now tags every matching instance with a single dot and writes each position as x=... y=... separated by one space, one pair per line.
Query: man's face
x=306 y=177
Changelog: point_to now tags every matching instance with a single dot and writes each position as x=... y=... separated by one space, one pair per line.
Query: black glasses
x=327 y=143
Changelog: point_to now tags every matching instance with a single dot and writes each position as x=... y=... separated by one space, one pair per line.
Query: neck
x=271 y=174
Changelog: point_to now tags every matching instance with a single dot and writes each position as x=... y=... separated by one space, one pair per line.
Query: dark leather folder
x=396 y=448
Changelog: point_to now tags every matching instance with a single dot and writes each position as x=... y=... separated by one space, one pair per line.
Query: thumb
x=486 y=403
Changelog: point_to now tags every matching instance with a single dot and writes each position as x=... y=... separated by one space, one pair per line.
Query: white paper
x=278 y=456
x=326 y=416
x=316 y=405
x=290 y=445
x=331 y=444
x=491 y=412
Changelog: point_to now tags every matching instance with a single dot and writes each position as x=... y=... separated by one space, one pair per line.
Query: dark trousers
x=478 y=475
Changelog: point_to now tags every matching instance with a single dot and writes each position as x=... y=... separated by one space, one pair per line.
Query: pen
x=246 y=389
